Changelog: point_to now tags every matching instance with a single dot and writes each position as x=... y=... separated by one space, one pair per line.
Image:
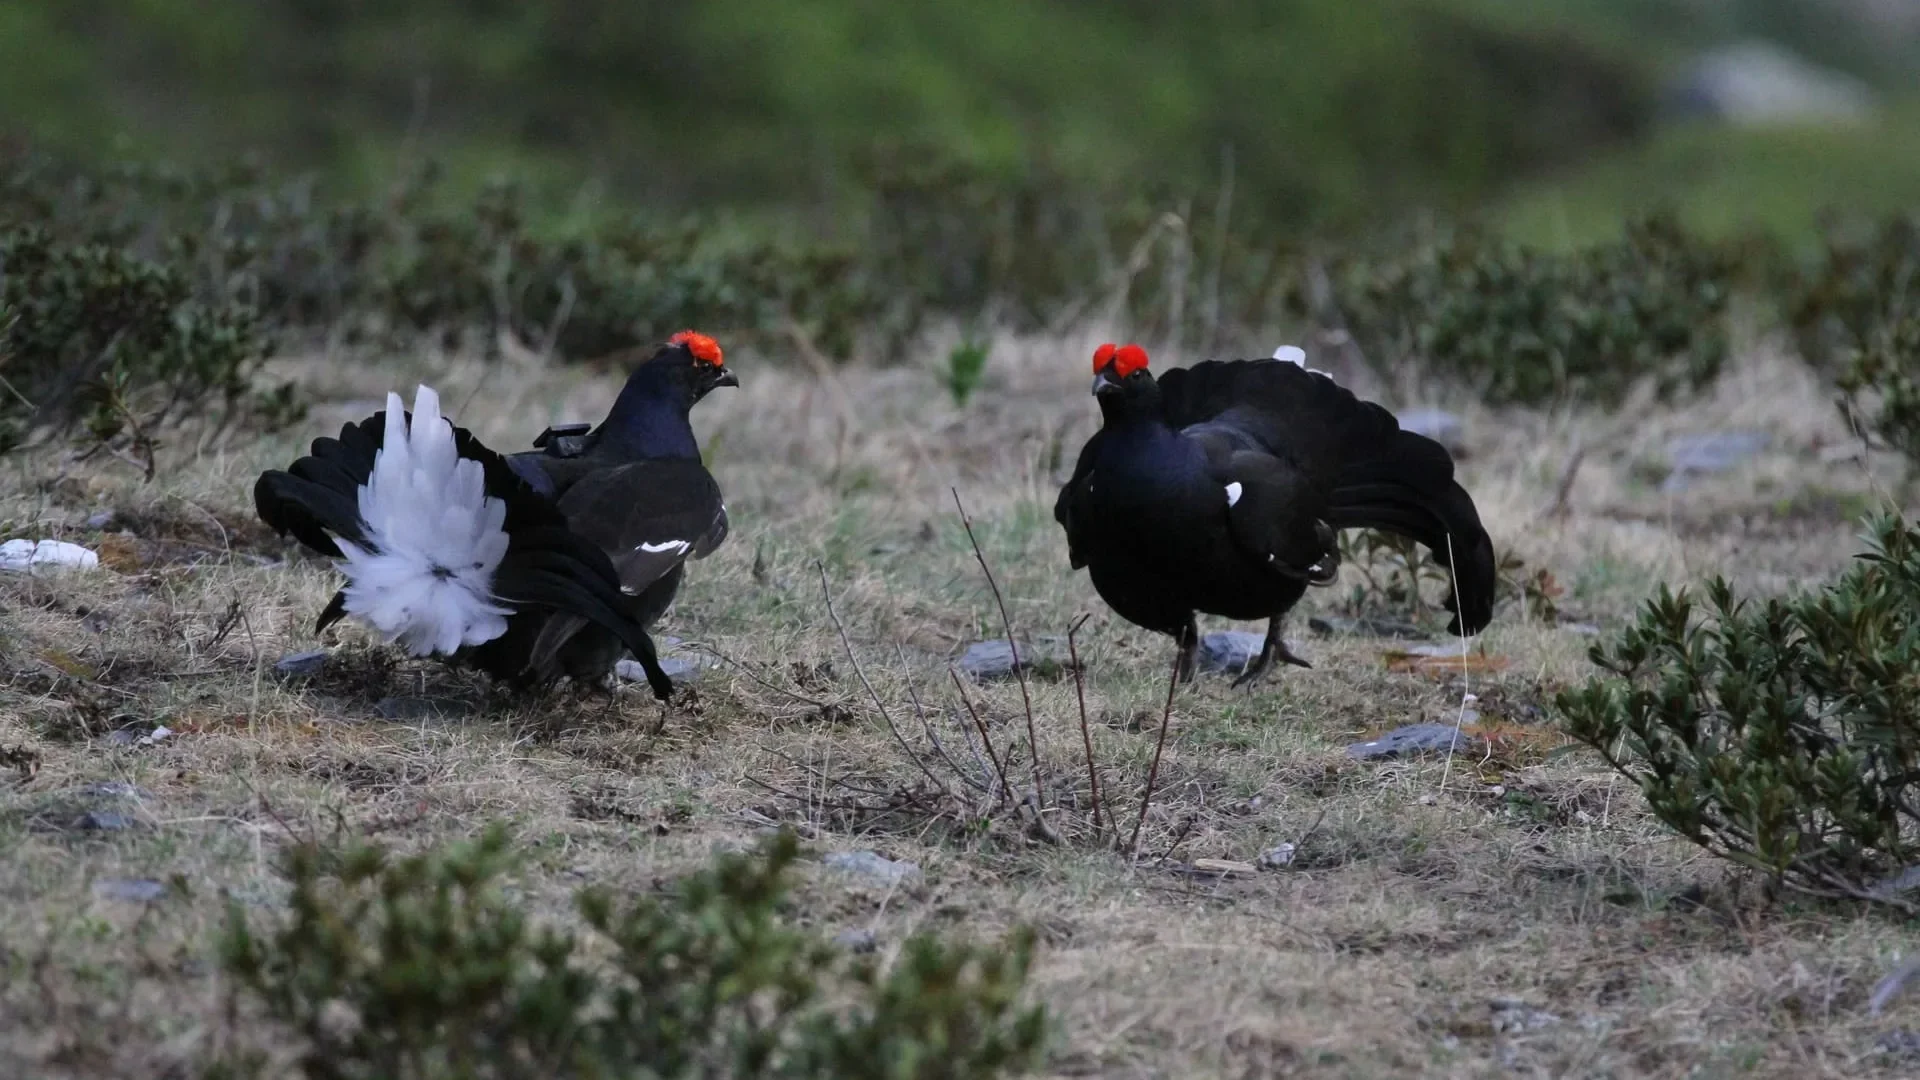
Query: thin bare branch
x=1153 y=771
x=1086 y=734
x=1019 y=660
x=892 y=728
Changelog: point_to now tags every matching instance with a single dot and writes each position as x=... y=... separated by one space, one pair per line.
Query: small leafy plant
x=966 y=363
x=1880 y=386
x=1783 y=735
x=421 y=967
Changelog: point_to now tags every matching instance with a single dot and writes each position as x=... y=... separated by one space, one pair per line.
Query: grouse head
x=649 y=418
x=1121 y=382
x=694 y=359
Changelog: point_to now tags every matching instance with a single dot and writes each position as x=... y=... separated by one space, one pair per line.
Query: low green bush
x=95 y=333
x=1782 y=734
x=421 y=967
x=1530 y=327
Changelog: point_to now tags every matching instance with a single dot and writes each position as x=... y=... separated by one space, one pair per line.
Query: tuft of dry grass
x=1509 y=911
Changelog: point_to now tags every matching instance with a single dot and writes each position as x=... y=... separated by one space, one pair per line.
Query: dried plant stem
x=1153 y=771
x=986 y=739
x=1086 y=735
x=847 y=644
x=1019 y=661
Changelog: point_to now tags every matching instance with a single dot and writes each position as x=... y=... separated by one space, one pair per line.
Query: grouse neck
x=650 y=418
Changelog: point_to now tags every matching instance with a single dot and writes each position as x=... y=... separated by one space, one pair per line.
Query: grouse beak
x=1104 y=383
x=727 y=378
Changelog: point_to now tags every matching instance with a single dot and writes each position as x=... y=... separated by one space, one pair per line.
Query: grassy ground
x=1508 y=912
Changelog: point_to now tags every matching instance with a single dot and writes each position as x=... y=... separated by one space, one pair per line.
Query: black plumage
x=598 y=525
x=1219 y=489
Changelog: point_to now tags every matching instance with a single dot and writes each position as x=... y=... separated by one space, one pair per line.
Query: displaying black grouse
x=529 y=566
x=1218 y=489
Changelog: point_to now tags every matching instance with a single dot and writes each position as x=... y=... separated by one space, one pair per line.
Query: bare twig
x=892 y=728
x=1019 y=661
x=999 y=769
x=933 y=738
x=1153 y=771
x=1563 y=490
x=755 y=676
x=1086 y=736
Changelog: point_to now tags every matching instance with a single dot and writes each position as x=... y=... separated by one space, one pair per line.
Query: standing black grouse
x=1218 y=488
x=529 y=566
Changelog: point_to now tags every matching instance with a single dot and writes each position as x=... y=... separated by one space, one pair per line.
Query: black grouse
x=1218 y=489
x=529 y=566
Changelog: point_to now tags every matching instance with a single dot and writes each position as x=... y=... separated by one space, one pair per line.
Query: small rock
x=869 y=864
x=420 y=708
x=103 y=821
x=34 y=556
x=1902 y=1043
x=1229 y=651
x=138 y=735
x=681 y=669
x=1367 y=627
x=100 y=519
x=1713 y=452
x=301 y=663
x=857 y=941
x=995 y=660
x=1439 y=425
x=1511 y=1016
x=130 y=890
x=1277 y=857
x=1584 y=629
x=1414 y=739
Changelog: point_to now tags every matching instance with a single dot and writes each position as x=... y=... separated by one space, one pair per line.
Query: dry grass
x=1435 y=912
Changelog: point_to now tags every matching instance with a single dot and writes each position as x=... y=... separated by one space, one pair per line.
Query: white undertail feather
x=435 y=539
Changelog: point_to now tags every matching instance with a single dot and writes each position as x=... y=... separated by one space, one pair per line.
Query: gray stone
x=301 y=663
x=1439 y=425
x=1278 y=857
x=1512 y=1016
x=1229 y=650
x=1367 y=626
x=104 y=821
x=995 y=659
x=681 y=669
x=1414 y=739
x=1713 y=452
x=857 y=941
x=130 y=890
x=100 y=519
x=1902 y=1043
x=1757 y=83
x=870 y=865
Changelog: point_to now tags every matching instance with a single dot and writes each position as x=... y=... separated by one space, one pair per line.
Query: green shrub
x=1863 y=283
x=1528 y=327
x=1783 y=735
x=421 y=967
x=1880 y=386
x=96 y=333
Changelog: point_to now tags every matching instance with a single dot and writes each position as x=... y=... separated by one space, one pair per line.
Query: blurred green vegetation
x=1314 y=114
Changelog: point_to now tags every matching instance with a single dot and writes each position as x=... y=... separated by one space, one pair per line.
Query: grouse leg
x=1274 y=646
x=1188 y=641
